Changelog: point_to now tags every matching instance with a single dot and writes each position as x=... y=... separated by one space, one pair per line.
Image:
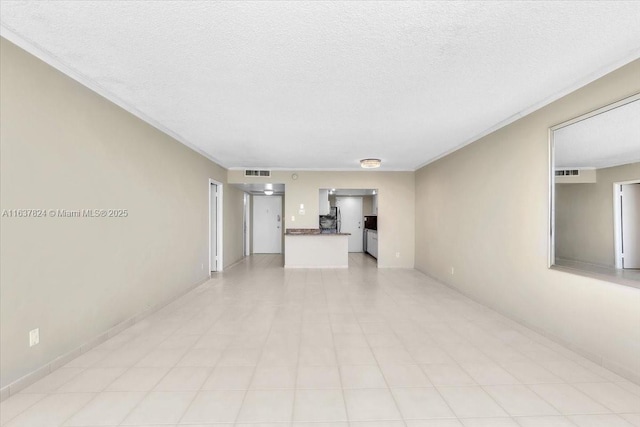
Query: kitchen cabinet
x=316 y=250
x=372 y=243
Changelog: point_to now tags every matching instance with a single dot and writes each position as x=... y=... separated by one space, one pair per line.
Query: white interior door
x=213 y=227
x=351 y=216
x=630 y=225
x=267 y=224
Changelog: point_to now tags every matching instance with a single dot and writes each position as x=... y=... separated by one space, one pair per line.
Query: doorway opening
x=353 y=211
x=263 y=217
x=626 y=215
x=215 y=226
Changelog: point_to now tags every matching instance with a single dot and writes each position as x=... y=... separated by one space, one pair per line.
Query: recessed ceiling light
x=370 y=163
x=268 y=192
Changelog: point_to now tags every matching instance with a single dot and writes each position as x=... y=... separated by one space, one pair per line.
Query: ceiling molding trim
x=354 y=169
x=55 y=62
x=628 y=58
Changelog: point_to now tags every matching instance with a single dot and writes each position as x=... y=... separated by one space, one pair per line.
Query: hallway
x=258 y=345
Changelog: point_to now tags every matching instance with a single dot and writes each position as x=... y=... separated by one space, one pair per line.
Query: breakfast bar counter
x=311 y=248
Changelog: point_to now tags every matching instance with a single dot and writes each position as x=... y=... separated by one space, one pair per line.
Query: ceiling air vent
x=257 y=173
x=568 y=172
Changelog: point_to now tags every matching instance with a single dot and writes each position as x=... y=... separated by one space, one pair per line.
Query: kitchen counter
x=311 y=248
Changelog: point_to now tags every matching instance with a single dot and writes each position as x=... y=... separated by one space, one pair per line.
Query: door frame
x=617 y=221
x=219 y=226
x=247 y=224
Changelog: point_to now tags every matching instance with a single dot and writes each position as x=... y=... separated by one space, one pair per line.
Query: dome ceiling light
x=370 y=163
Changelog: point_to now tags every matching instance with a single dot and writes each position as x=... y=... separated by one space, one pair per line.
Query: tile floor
x=261 y=346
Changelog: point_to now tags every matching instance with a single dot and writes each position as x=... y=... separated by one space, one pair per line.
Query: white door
x=630 y=225
x=267 y=224
x=213 y=227
x=351 y=220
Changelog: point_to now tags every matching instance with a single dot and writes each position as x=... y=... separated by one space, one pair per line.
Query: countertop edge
x=317 y=234
x=310 y=232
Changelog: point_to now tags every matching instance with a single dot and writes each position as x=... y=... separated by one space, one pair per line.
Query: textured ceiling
x=320 y=85
x=608 y=139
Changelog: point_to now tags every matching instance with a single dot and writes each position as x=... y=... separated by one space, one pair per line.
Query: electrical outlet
x=453 y=270
x=34 y=337
x=397 y=254
x=293 y=218
x=202 y=267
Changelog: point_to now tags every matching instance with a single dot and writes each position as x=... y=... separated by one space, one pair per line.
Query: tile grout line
x=395 y=401
x=192 y=347
x=295 y=381
x=151 y=389
x=434 y=386
x=255 y=368
x=45 y=394
x=382 y=298
x=335 y=355
x=96 y=394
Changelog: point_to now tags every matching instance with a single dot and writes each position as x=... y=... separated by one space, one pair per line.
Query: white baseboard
x=32 y=377
x=233 y=264
x=316 y=267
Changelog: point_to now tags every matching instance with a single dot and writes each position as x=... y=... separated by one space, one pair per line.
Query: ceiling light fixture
x=370 y=163
x=268 y=192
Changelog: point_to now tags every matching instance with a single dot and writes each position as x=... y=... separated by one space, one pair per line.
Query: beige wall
x=63 y=146
x=367 y=205
x=484 y=211
x=584 y=216
x=233 y=217
x=396 y=195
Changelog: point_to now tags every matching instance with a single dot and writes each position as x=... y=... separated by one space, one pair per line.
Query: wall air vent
x=568 y=172
x=257 y=173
